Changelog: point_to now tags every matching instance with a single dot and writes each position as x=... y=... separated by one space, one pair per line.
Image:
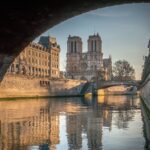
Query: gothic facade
x=88 y=65
x=38 y=59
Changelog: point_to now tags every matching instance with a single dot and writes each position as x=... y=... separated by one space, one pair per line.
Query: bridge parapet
x=105 y=84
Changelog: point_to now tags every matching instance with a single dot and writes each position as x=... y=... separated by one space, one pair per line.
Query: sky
x=124 y=30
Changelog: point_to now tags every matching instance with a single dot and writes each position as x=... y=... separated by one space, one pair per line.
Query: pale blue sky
x=124 y=29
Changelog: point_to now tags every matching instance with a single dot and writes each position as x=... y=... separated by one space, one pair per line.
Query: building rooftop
x=48 y=41
x=72 y=37
x=95 y=35
x=106 y=61
x=38 y=46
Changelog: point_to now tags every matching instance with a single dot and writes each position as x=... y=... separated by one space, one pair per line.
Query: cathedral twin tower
x=86 y=65
x=75 y=44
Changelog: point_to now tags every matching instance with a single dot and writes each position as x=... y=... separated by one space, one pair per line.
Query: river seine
x=99 y=123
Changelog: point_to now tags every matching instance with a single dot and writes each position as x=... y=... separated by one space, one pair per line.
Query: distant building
x=90 y=65
x=51 y=43
x=41 y=60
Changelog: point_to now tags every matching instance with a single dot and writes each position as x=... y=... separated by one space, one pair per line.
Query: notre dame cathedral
x=88 y=65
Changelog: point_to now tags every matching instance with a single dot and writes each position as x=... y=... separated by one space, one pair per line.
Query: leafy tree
x=100 y=74
x=123 y=71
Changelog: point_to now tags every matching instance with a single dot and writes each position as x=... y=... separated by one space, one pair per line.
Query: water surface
x=102 y=123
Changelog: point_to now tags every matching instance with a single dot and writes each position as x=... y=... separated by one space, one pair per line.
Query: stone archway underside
x=23 y=21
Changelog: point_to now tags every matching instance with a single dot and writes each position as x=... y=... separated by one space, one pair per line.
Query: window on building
x=45 y=72
x=75 y=46
x=29 y=60
x=12 y=68
x=71 y=46
x=17 y=68
x=95 y=67
x=29 y=70
x=95 y=45
x=33 y=69
x=91 y=45
x=75 y=68
x=36 y=72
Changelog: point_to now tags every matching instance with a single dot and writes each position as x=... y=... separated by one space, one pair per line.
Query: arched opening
x=93 y=79
x=114 y=114
x=81 y=66
x=47 y=16
x=83 y=78
x=12 y=68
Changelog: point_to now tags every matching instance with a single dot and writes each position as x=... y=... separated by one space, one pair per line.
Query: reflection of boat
x=118 y=90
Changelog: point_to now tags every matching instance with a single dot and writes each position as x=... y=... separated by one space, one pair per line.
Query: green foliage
x=123 y=71
x=100 y=74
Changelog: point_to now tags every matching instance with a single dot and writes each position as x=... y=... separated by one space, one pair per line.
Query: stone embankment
x=145 y=91
x=145 y=96
x=145 y=83
x=23 y=86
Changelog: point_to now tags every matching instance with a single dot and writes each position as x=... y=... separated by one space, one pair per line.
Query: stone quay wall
x=23 y=86
x=145 y=91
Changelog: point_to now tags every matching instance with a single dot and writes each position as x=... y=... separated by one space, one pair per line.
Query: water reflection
x=72 y=123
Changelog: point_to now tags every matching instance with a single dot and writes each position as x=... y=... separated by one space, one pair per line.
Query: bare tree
x=123 y=71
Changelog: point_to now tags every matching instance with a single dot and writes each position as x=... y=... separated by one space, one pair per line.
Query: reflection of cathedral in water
x=75 y=130
x=85 y=123
x=101 y=115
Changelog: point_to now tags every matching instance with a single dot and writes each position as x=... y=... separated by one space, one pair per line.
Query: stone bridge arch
x=23 y=21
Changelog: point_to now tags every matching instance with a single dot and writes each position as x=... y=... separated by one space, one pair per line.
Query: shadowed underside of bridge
x=23 y=21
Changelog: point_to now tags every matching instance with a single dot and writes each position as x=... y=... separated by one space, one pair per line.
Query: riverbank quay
x=20 y=86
